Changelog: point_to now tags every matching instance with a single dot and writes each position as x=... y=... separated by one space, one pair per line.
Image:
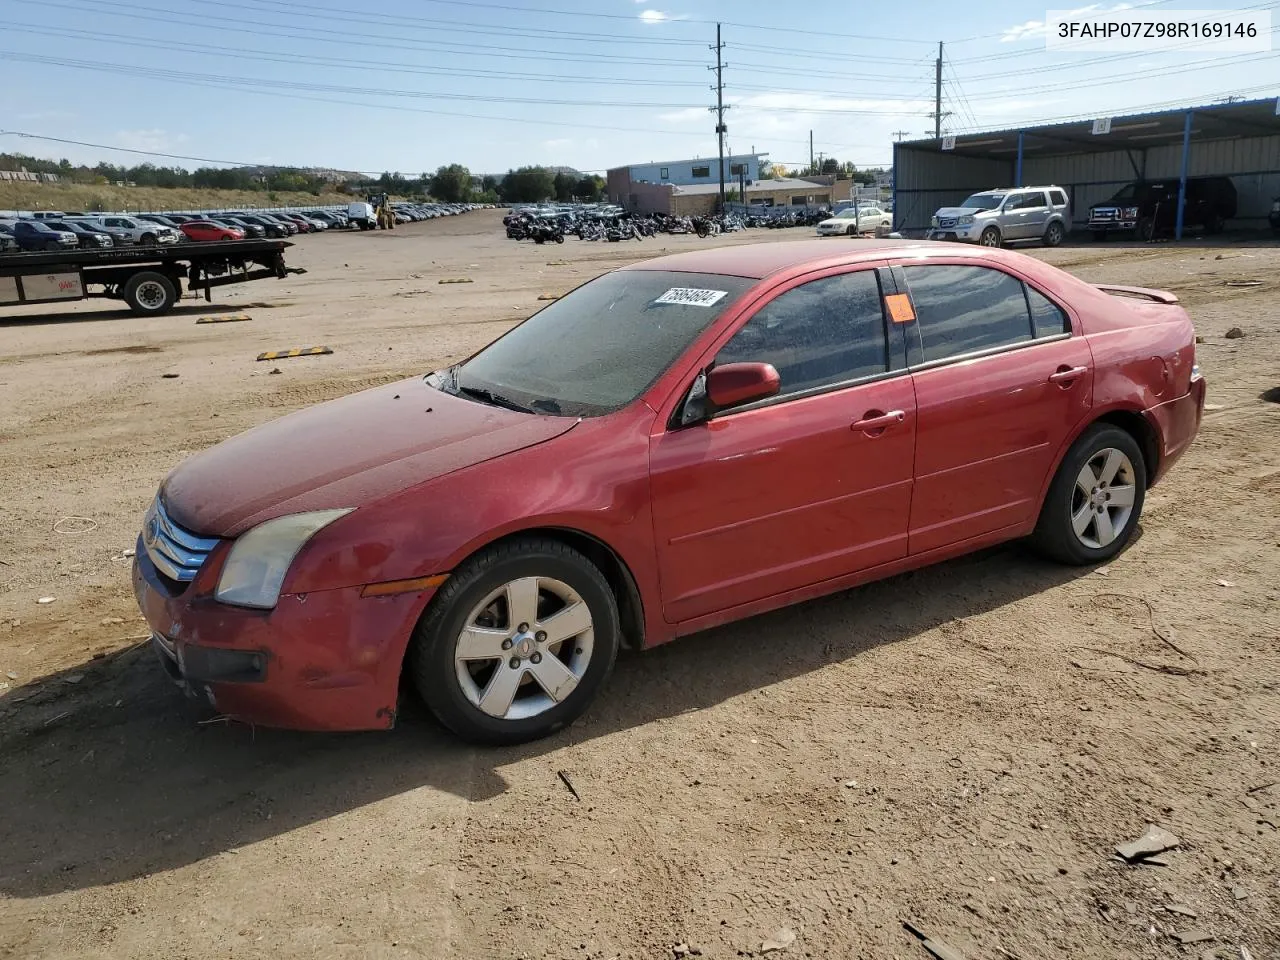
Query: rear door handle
x=873 y=420
x=1067 y=375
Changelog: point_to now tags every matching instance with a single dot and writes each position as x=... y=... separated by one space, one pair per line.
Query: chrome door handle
x=1068 y=375
x=879 y=421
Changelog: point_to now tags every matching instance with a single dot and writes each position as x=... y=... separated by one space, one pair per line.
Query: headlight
x=260 y=558
x=965 y=220
x=933 y=222
x=1129 y=213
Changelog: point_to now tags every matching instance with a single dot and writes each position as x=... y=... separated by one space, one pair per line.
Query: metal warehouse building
x=1092 y=159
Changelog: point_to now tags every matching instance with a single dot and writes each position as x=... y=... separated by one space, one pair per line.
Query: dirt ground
x=961 y=747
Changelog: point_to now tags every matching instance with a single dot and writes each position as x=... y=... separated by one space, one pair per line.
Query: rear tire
x=475 y=606
x=1054 y=234
x=150 y=294
x=1088 y=518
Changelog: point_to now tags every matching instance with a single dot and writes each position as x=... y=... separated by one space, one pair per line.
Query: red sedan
x=207 y=230
x=672 y=446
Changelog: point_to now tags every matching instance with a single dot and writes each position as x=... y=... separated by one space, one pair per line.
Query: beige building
x=688 y=201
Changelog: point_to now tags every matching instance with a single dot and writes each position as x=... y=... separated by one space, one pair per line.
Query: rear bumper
x=1176 y=423
x=328 y=660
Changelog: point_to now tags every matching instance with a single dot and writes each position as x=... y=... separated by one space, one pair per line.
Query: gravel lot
x=962 y=746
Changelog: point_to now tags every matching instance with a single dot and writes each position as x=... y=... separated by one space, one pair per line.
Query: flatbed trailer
x=150 y=279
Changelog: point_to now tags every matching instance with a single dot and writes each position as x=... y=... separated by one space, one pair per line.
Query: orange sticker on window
x=900 y=310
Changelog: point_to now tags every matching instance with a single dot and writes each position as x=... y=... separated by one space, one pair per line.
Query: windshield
x=1129 y=192
x=984 y=201
x=847 y=214
x=599 y=347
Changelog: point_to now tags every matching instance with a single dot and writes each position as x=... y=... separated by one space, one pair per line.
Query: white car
x=851 y=222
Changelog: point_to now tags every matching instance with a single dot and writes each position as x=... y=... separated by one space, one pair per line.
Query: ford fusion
x=675 y=445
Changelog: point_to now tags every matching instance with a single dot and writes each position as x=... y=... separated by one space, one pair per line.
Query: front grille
x=1106 y=213
x=947 y=223
x=176 y=553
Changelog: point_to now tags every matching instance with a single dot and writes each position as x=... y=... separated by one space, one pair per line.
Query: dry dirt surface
x=961 y=747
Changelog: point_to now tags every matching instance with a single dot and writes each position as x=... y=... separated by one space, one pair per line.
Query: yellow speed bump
x=225 y=318
x=457 y=280
x=289 y=354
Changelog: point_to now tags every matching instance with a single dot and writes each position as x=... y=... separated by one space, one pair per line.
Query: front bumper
x=1109 y=225
x=1177 y=422
x=955 y=234
x=328 y=660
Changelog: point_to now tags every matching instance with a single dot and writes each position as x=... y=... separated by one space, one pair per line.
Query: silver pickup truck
x=140 y=231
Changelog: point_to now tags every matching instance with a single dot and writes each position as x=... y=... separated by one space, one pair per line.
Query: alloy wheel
x=1102 y=499
x=524 y=647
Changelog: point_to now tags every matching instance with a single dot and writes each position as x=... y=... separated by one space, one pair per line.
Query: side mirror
x=734 y=384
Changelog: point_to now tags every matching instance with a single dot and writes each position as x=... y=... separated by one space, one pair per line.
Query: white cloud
x=657 y=16
x=155 y=140
x=1031 y=29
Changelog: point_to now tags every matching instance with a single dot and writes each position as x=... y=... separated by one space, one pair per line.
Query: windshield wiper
x=488 y=396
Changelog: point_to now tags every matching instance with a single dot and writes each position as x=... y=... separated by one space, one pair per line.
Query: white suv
x=995 y=217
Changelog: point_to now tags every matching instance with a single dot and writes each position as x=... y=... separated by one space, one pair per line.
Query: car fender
x=592 y=480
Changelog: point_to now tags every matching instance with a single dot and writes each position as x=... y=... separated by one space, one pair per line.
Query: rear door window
x=962 y=310
x=1058 y=198
x=821 y=333
x=1047 y=318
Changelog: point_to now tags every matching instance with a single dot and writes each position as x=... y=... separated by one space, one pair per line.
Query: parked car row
x=48 y=230
x=1144 y=209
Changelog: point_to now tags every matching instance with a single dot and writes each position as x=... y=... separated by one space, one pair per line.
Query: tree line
x=452 y=183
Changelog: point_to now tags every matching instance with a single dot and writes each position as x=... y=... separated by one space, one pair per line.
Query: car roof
x=761 y=260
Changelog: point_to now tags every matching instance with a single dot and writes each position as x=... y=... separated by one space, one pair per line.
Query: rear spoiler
x=1157 y=296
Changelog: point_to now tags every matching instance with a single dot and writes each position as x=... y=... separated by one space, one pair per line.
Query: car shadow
x=110 y=774
x=185 y=309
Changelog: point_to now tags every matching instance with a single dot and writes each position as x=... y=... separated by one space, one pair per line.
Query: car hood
x=959 y=211
x=837 y=222
x=345 y=453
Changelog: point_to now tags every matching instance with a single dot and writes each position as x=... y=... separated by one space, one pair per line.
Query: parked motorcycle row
x=614 y=225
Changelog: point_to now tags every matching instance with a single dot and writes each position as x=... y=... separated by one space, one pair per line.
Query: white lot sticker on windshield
x=692 y=297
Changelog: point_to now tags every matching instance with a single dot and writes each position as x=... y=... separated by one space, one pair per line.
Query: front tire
x=147 y=239
x=851 y=232
x=517 y=642
x=1091 y=511
x=990 y=237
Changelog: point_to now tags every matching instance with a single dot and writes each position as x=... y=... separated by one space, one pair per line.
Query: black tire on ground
x=1054 y=234
x=1216 y=224
x=150 y=294
x=147 y=239
x=430 y=662
x=559 y=238
x=1054 y=535
x=990 y=237
x=851 y=232
x=1099 y=235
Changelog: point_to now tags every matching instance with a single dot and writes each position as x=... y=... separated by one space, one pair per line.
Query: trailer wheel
x=149 y=293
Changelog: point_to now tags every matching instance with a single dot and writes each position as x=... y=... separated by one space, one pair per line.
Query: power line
x=348 y=39
x=381 y=66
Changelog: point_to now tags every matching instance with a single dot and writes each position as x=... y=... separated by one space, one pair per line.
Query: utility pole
x=937 y=94
x=719 y=108
x=899 y=134
x=811 y=167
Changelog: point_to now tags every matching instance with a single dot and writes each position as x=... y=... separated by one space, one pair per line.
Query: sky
x=409 y=85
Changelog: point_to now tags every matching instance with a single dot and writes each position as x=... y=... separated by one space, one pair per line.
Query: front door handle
x=1065 y=376
x=873 y=422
